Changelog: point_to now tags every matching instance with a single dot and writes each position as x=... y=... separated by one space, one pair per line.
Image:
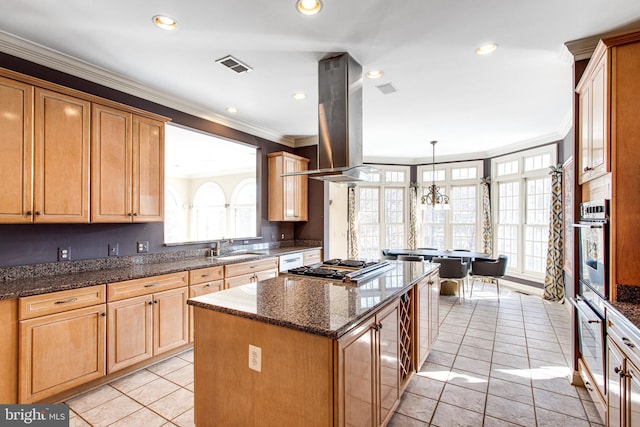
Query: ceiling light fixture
x=232 y=110
x=165 y=22
x=486 y=49
x=299 y=96
x=375 y=74
x=434 y=196
x=308 y=7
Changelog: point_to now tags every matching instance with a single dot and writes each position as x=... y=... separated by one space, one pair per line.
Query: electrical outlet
x=64 y=254
x=113 y=249
x=143 y=247
x=282 y=236
x=255 y=358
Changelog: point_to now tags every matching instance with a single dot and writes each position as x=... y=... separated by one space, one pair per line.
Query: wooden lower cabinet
x=243 y=273
x=9 y=352
x=61 y=351
x=146 y=326
x=196 y=291
x=369 y=370
x=426 y=316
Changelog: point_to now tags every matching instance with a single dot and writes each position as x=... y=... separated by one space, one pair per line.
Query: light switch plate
x=255 y=358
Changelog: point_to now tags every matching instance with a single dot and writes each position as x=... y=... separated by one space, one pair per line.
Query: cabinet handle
x=135 y=214
x=151 y=285
x=29 y=213
x=587 y=169
x=628 y=342
x=150 y=303
x=38 y=213
x=593 y=321
x=208 y=285
x=67 y=301
x=130 y=214
x=155 y=301
x=103 y=314
x=205 y=275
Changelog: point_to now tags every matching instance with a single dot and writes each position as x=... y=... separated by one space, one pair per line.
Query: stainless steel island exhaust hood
x=339 y=121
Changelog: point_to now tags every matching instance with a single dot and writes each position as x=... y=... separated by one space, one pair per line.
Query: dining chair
x=453 y=269
x=492 y=269
x=410 y=258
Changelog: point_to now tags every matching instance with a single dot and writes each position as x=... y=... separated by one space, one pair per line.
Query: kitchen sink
x=236 y=257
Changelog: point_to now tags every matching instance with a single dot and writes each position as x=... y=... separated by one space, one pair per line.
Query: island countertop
x=313 y=305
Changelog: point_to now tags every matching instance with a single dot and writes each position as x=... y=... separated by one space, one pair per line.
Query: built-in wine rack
x=406 y=340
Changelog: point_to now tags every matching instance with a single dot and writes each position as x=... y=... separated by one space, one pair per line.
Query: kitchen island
x=306 y=351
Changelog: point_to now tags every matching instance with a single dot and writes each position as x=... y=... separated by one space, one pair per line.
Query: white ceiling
x=473 y=105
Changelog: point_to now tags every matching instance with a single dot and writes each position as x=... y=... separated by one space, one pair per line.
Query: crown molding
x=62 y=62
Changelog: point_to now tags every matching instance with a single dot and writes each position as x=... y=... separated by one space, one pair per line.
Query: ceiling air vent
x=233 y=64
x=387 y=88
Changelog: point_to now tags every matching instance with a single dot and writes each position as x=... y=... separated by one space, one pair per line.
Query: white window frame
x=521 y=176
x=446 y=187
x=381 y=185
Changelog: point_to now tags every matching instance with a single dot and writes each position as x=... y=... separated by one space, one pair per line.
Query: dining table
x=437 y=253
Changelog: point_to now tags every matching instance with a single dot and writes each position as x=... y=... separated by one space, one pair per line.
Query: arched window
x=244 y=209
x=174 y=216
x=208 y=216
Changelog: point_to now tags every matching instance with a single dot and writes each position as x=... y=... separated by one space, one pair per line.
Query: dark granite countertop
x=40 y=284
x=318 y=306
x=630 y=311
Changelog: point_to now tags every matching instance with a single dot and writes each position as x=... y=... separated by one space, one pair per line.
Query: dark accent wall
x=37 y=243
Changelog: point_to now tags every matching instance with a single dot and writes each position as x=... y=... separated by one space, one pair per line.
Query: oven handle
x=597 y=225
x=577 y=303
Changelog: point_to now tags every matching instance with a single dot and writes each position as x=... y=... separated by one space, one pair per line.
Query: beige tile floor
x=495 y=364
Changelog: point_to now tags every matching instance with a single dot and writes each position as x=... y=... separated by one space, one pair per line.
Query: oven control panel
x=595 y=210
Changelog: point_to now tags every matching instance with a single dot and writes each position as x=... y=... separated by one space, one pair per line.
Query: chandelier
x=435 y=197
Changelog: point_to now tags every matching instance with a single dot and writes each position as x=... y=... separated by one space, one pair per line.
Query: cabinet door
x=61 y=351
x=129 y=331
x=170 y=320
x=584 y=134
x=389 y=361
x=265 y=274
x=356 y=373
x=422 y=321
x=434 y=309
x=110 y=165
x=16 y=162
x=9 y=354
x=61 y=178
x=599 y=121
x=615 y=367
x=201 y=289
x=633 y=395
x=148 y=170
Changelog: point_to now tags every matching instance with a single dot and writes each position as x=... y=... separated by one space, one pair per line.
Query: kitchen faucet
x=218 y=245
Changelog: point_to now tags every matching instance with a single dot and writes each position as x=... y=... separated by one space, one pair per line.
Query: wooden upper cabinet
x=288 y=195
x=16 y=162
x=61 y=161
x=148 y=169
x=593 y=119
x=127 y=167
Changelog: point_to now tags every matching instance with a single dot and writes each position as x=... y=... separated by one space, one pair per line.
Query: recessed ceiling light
x=232 y=110
x=308 y=7
x=486 y=49
x=298 y=96
x=165 y=22
x=375 y=74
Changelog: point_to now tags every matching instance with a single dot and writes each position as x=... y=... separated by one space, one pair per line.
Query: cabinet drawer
x=57 y=302
x=312 y=257
x=147 y=285
x=241 y=268
x=205 y=288
x=203 y=275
